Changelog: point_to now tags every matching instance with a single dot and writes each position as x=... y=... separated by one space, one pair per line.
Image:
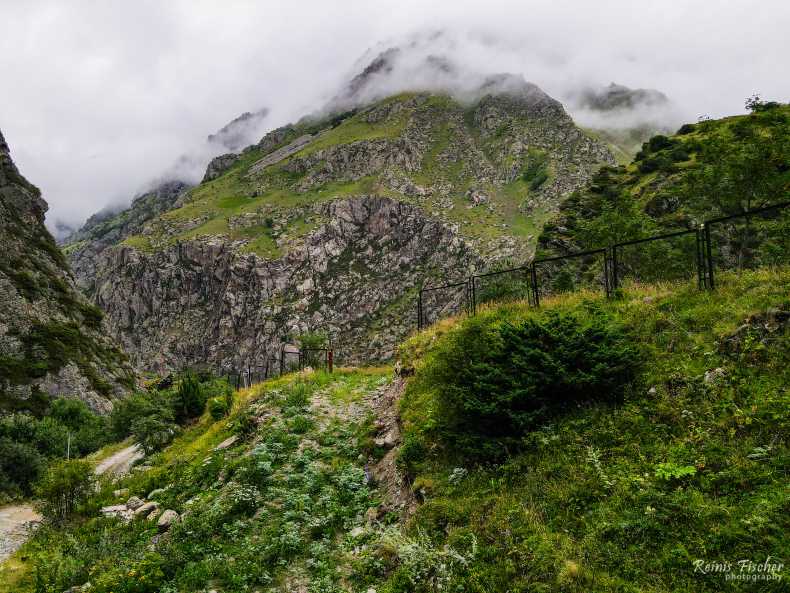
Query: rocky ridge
x=102 y=231
x=52 y=341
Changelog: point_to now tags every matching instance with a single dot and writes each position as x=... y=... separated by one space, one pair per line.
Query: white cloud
x=99 y=97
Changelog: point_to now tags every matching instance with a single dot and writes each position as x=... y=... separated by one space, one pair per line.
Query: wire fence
x=669 y=257
x=437 y=302
x=754 y=238
x=289 y=360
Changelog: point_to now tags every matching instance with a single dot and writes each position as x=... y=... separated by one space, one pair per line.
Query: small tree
x=153 y=433
x=127 y=410
x=64 y=487
x=190 y=399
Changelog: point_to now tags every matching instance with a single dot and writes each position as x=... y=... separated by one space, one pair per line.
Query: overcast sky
x=97 y=98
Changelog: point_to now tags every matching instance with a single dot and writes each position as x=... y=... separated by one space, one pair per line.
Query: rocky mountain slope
x=332 y=223
x=105 y=229
x=52 y=342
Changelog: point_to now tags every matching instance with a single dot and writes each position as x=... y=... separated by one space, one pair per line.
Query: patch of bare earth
x=16 y=523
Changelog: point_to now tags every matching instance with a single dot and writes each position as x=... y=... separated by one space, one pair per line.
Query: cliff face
x=52 y=342
x=332 y=223
x=354 y=276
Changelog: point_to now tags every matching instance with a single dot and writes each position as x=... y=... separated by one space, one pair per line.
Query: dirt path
x=121 y=462
x=15 y=522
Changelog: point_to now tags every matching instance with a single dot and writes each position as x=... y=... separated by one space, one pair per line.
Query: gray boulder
x=167 y=519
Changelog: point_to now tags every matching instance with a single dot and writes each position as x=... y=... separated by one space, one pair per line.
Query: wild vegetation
x=284 y=504
x=29 y=443
x=619 y=494
x=709 y=169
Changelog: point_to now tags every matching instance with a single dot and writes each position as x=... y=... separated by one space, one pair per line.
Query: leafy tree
x=20 y=465
x=51 y=437
x=64 y=487
x=127 y=410
x=742 y=166
x=72 y=413
x=89 y=430
x=153 y=433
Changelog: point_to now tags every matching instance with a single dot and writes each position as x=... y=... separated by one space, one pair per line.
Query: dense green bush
x=127 y=410
x=217 y=407
x=190 y=399
x=64 y=487
x=495 y=380
x=154 y=432
x=20 y=466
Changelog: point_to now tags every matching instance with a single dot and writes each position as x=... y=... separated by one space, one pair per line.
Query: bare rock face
x=219 y=165
x=203 y=301
x=52 y=342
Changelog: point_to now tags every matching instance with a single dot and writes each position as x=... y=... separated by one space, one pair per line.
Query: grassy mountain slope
x=621 y=495
x=427 y=150
x=709 y=169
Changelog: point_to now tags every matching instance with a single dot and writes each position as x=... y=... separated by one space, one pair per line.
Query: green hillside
x=674 y=450
x=708 y=169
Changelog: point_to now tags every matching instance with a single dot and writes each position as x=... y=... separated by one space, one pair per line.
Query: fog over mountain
x=101 y=100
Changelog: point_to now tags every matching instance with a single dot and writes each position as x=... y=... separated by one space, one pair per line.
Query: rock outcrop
x=204 y=301
x=52 y=341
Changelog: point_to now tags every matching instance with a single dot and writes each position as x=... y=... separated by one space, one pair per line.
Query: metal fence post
x=474 y=295
x=282 y=359
x=700 y=260
x=330 y=360
x=711 y=283
x=606 y=274
x=419 y=310
x=615 y=279
x=535 y=291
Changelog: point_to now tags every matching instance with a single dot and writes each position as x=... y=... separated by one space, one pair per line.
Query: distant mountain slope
x=103 y=230
x=330 y=224
x=52 y=343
